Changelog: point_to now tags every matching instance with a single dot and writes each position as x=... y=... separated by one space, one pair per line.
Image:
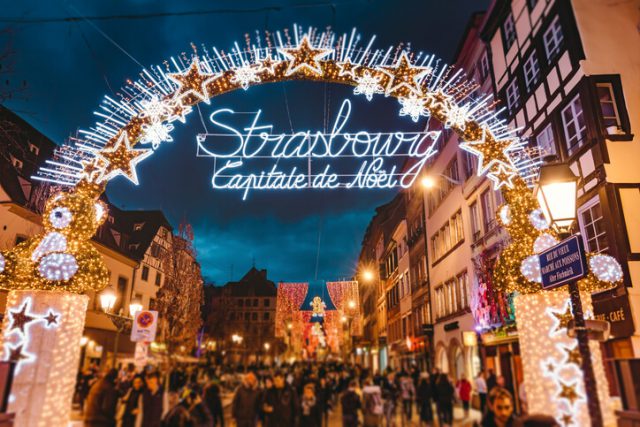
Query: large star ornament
x=573 y=355
x=193 y=82
x=568 y=392
x=489 y=151
x=20 y=319
x=562 y=318
x=304 y=57
x=501 y=176
x=404 y=77
x=122 y=159
x=15 y=354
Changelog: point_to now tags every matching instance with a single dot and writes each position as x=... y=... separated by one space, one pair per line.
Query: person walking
x=463 y=386
x=424 y=395
x=351 y=404
x=492 y=380
x=481 y=388
x=445 y=394
x=324 y=395
x=246 y=400
x=373 y=408
x=310 y=410
x=407 y=394
x=131 y=404
x=214 y=403
x=198 y=411
x=281 y=403
x=152 y=401
x=390 y=396
x=178 y=414
x=100 y=407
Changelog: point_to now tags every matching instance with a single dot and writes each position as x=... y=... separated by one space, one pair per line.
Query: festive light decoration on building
x=368 y=85
x=403 y=77
x=246 y=75
x=530 y=269
x=544 y=242
x=538 y=220
x=121 y=159
x=414 y=107
x=551 y=360
x=489 y=151
x=62 y=258
x=304 y=59
x=505 y=215
x=605 y=268
x=192 y=84
x=47 y=353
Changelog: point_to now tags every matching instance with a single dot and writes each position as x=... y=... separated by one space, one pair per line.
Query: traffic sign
x=563 y=263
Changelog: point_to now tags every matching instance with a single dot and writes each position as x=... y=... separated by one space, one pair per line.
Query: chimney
x=263 y=274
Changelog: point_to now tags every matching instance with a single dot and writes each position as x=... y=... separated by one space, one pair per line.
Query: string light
x=606 y=268
x=58 y=267
x=368 y=85
x=413 y=106
x=60 y=217
x=544 y=242
x=505 y=215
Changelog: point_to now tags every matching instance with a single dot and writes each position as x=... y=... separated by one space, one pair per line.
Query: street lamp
x=108 y=300
x=556 y=192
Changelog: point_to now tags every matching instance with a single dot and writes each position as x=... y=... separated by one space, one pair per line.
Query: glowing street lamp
x=351 y=304
x=367 y=275
x=556 y=192
x=108 y=300
x=267 y=346
x=134 y=307
x=427 y=182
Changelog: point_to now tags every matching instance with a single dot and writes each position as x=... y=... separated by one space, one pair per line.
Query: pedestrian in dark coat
x=132 y=402
x=444 y=403
x=100 y=408
x=310 y=409
x=246 y=400
x=214 y=403
x=178 y=414
x=423 y=399
x=280 y=404
x=152 y=401
x=351 y=404
x=198 y=411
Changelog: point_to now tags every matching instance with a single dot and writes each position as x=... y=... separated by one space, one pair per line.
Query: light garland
x=42 y=332
x=606 y=268
x=551 y=360
x=544 y=242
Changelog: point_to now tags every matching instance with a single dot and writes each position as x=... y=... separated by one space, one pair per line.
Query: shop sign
x=617 y=312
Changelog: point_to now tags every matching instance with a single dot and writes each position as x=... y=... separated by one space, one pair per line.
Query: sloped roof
x=253 y=283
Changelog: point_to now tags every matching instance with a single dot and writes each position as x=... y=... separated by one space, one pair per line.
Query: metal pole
x=593 y=401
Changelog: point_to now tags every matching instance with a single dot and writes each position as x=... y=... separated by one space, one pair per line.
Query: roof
x=253 y=283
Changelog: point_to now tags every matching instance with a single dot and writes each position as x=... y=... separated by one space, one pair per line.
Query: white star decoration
x=482 y=147
x=413 y=106
x=304 y=56
x=368 y=86
x=503 y=176
x=245 y=75
x=193 y=82
x=347 y=68
x=404 y=75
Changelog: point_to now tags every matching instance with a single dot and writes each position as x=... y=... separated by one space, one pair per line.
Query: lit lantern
x=556 y=192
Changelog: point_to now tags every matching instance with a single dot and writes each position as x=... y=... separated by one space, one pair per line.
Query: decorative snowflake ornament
x=368 y=86
x=413 y=106
x=245 y=75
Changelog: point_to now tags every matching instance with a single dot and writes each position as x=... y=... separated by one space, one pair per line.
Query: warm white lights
x=605 y=268
x=549 y=360
x=134 y=307
x=544 y=242
x=58 y=266
x=505 y=215
x=108 y=299
x=60 y=217
x=530 y=268
x=538 y=220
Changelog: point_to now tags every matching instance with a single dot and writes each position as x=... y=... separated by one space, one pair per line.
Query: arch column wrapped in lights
x=62 y=260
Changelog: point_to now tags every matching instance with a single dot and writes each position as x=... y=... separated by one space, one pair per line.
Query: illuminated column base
x=41 y=330
x=551 y=361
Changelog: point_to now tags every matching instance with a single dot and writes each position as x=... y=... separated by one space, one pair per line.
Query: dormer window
x=16 y=163
x=34 y=149
x=138 y=226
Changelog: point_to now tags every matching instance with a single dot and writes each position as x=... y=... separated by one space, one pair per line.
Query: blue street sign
x=563 y=263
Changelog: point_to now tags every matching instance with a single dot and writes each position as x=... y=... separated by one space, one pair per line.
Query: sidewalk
x=335 y=419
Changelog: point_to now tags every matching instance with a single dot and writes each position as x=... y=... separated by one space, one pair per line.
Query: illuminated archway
x=62 y=259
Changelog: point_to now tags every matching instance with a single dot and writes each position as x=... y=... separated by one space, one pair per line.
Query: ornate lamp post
x=556 y=192
x=108 y=300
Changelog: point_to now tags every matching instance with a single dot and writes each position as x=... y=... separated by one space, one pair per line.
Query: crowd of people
x=301 y=394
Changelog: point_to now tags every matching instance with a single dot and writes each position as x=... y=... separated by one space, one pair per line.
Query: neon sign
x=313 y=154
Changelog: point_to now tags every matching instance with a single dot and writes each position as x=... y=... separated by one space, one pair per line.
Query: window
x=545 y=141
x=608 y=107
x=488 y=211
x=265 y=316
x=267 y=302
x=158 y=278
x=531 y=71
x=34 y=149
x=145 y=273
x=246 y=316
x=16 y=163
x=152 y=303
x=448 y=236
x=138 y=226
x=469 y=164
x=232 y=316
x=508 y=32
x=240 y=303
x=592 y=226
x=247 y=302
x=484 y=66
x=575 y=129
x=254 y=316
x=255 y=302
x=155 y=250
x=552 y=39
x=462 y=282
x=513 y=95
x=475 y=221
